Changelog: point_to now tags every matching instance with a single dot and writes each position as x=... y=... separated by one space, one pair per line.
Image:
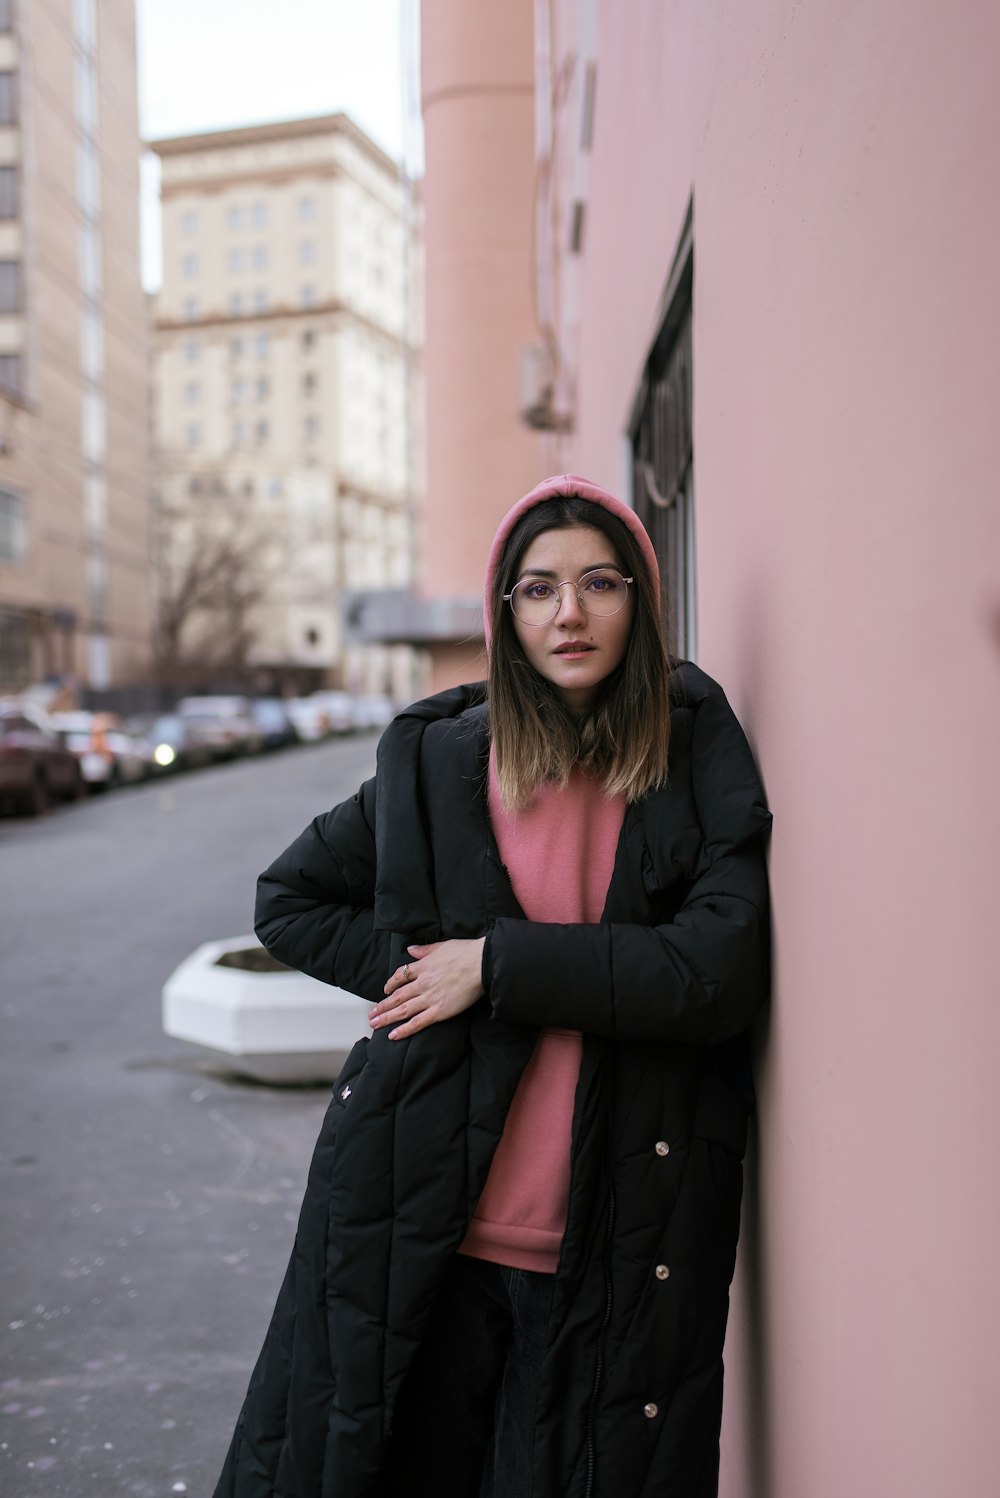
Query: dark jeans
x=464 y=1424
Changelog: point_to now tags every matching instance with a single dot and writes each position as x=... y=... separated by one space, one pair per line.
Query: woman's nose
x=569 y=610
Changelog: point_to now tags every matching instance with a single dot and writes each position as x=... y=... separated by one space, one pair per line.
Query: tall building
x=74 y=569
x=286 y=402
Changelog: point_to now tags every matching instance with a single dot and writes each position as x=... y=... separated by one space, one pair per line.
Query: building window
x=234 y=218
x=10 y=373
x=190 y=308
x=308 y=338
x=86 y=96
x=307 y=252
x=10 y=286
x=236 y=345
x=97 y=586
x=261 y=430
x=310 y=428
x=577 y=225
x=587 y=113
x=88 y=179
x=258 y=215
x=260 y=300
x=189 y=266
x=263 y=345
x=91 y=343
x=309 y=383
x=6 y=15
x=263 y=387
x=8 y=192
x=189 y=223
x=192 y=350
x=8 y=98
x=307 y=297
x=193 y=435
x=236 y=304
x=236 y=259
x=239 y=433
x=13 y=532
x=661 y=433
x=192 y=393
x=90 y=260
x=307 y=209
x=259 y=257
x=238 y=391
x=94 y=425
x=85 y=23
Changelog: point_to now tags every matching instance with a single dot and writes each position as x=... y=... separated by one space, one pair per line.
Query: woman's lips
x=574 y=649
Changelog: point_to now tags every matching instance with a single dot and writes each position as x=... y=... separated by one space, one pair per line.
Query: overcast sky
x=208 y=64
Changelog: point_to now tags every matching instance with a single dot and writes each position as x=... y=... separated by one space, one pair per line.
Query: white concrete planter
x=276 y=1026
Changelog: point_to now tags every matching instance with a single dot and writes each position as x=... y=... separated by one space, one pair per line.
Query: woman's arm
x=315 y=903
x=698 y=978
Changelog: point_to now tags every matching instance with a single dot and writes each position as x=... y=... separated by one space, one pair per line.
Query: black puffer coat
x=663 y=989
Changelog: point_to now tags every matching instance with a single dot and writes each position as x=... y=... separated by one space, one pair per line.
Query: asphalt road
x=148 y=1200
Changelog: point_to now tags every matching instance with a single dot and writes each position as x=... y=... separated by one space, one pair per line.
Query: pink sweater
x=559 y=854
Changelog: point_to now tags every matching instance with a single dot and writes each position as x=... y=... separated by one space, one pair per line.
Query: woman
x=512 y=1267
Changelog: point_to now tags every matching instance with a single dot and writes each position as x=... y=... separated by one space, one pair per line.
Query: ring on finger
x=406 y=972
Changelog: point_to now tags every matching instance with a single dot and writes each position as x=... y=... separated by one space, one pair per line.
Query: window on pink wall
x=661 y=434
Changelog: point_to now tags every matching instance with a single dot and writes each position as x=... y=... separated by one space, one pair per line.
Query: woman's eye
x=538 y=592
x=601 y=582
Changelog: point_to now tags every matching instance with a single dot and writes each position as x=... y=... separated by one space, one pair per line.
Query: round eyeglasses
x=602 y=592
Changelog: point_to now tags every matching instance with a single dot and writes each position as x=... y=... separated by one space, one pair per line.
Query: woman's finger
x=402 y=975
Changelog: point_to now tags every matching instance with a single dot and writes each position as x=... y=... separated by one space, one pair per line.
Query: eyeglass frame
x=567 y=581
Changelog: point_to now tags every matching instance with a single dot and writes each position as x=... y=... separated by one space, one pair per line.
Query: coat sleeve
x=697 y=979
x=315 y=904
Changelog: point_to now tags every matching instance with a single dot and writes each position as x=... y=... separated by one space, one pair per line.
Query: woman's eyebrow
x=594 y=567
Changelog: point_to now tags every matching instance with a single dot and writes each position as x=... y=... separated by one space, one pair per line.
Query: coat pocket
x=351 y=1070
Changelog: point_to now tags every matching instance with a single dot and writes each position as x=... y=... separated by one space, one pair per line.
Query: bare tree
x=213 y=561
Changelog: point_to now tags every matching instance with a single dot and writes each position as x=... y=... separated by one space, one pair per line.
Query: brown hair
x=624 y=736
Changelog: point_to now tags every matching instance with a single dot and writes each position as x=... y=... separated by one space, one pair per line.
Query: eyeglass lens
x=536 y=601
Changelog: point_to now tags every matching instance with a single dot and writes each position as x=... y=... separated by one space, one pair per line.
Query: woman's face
x=575 y=651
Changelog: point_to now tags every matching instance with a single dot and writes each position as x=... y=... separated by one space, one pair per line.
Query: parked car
x=374 y=711
x=176 y=743
x=311 y=719
x=226 y=723
x=35 y=768
x=339 y=707
x=107 y=753
x=274 y=723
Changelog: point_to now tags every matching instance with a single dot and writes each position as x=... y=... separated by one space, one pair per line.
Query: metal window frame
x=661 y=436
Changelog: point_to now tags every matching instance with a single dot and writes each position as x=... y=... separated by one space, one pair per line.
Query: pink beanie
x=566 y=486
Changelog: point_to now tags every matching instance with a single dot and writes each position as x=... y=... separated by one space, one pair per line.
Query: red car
x=35 y=769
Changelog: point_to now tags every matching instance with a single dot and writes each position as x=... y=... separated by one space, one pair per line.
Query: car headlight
x=164 y=755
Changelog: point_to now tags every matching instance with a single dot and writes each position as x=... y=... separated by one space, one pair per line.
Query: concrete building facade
x=767 y=271
x=74 y=567
x=287 y=392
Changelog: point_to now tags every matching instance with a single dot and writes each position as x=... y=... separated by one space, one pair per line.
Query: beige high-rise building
x=74 y=550
x=287 y=430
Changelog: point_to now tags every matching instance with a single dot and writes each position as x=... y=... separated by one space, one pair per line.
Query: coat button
x=662 y=1272
x=662 y=1147
x=650 y=1411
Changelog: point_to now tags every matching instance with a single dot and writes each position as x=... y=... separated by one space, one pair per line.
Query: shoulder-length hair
x=624 y=736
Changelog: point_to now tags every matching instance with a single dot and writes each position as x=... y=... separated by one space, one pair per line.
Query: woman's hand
x=439 y=982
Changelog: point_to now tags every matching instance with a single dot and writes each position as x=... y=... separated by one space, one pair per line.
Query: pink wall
x=479 y=127
x=844 y=164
